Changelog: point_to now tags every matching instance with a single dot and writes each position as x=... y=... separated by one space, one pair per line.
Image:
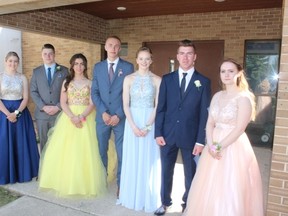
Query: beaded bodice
x=142 y=92
x=78 y=96
x=11 y=86
x=224 y=112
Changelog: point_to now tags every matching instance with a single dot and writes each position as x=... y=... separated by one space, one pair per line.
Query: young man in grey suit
x=106 y=93
x=45 y=89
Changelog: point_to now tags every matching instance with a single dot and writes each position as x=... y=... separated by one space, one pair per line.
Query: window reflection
x=262 y=66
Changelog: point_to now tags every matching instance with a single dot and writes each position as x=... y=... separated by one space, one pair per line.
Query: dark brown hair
x=187 y=43
x=71 y=75
x=48 y=46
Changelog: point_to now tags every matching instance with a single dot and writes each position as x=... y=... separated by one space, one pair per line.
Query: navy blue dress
x=19 y=156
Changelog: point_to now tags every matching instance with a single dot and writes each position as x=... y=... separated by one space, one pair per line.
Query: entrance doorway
x=210 y=54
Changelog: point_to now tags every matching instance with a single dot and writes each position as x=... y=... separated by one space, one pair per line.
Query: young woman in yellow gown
x=71 y=163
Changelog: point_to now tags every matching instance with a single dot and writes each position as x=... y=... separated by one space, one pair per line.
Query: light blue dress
x=141 y=166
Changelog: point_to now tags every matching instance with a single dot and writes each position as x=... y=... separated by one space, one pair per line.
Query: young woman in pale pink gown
x=228 y=181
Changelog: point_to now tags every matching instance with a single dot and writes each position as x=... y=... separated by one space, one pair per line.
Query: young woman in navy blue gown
x=19 y=156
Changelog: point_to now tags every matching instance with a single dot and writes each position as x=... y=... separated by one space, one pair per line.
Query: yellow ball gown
x=70 y=162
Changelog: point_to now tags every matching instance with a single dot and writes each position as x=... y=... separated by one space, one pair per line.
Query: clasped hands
x=12 y=117
x=215 y=154
x=76 y=120
x=50 y=110
x=110 y=120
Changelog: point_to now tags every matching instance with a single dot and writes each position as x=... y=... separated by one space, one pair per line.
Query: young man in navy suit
x=181 y=117
x=106 y=93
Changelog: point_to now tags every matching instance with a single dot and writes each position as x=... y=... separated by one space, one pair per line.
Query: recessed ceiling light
x=219 y=0
x=121 y=8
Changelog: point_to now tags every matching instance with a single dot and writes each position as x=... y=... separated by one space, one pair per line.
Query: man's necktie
x=183 y=84
x=111 y=72
x=49 y=76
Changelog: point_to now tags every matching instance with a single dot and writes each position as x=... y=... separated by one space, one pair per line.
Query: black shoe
x=183 y=207
x=161 y=210
x=117 y=192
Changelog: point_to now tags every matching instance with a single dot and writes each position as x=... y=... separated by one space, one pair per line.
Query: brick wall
x=72 y=31
x=278 y=187
x=59 y=22
x=233 y=27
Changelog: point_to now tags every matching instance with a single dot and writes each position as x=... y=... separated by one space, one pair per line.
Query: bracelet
x=18 y=113
x=216 y=147
x=147 y=127
x=82 y=118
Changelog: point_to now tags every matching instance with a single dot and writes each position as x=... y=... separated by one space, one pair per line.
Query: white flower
x=197 y=83
x=120 y=72
x=58 y=68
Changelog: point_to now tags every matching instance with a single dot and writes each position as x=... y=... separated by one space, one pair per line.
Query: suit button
x=50 y=102
x=109 y=92
x=109 y=103
x=50 y=92
x=178 y=121
x=180 y=108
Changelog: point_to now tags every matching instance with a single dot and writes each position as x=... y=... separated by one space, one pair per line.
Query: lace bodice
x=142 y=92
x=11 y=87
x=224 y=112
x=78 y=96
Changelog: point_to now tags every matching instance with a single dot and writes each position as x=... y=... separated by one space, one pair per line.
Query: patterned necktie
x=49 y=76
x=111 y=72
x=183 y=84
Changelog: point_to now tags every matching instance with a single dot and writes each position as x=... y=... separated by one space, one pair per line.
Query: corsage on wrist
x=216 y=147
x=147 y=127
x=17 y=113
x=82 y=118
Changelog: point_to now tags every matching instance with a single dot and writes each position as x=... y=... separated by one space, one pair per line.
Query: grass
x=7 y=196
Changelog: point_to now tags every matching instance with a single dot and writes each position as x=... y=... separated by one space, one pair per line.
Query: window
x=262 y=67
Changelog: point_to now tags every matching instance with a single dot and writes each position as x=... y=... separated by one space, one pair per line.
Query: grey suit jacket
x=42 y=94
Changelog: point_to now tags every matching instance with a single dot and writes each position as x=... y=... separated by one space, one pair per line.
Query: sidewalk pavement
x=35 y=203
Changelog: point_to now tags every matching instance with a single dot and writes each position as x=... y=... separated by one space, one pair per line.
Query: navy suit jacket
x=106 y=97
x=182 y=121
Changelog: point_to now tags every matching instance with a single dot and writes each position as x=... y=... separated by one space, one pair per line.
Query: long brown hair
x=71 y=75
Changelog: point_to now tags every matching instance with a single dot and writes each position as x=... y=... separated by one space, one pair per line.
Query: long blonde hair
x=242 y=83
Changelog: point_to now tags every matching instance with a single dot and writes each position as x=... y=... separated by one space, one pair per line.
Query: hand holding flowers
x=215 y=150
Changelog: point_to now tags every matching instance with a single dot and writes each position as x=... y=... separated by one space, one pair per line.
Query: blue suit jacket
x=106 y=97
x=182 y=121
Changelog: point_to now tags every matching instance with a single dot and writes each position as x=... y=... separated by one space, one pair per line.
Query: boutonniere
x=58 y=68
x=120 y=72
x=197 y=84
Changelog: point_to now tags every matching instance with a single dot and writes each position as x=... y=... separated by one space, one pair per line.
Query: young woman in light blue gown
x=141 y=166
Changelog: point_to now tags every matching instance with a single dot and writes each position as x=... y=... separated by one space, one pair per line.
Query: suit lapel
x=43 y=76
x=55 y=74
x=117 y=71
x=190 y=84
x=105 y=74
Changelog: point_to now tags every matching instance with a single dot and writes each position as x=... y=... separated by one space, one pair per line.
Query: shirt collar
x=50 y=66
x=115 y=61
x=190 y=71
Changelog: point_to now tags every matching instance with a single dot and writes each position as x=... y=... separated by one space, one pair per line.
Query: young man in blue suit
x=181 y=117
x=106 y=93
